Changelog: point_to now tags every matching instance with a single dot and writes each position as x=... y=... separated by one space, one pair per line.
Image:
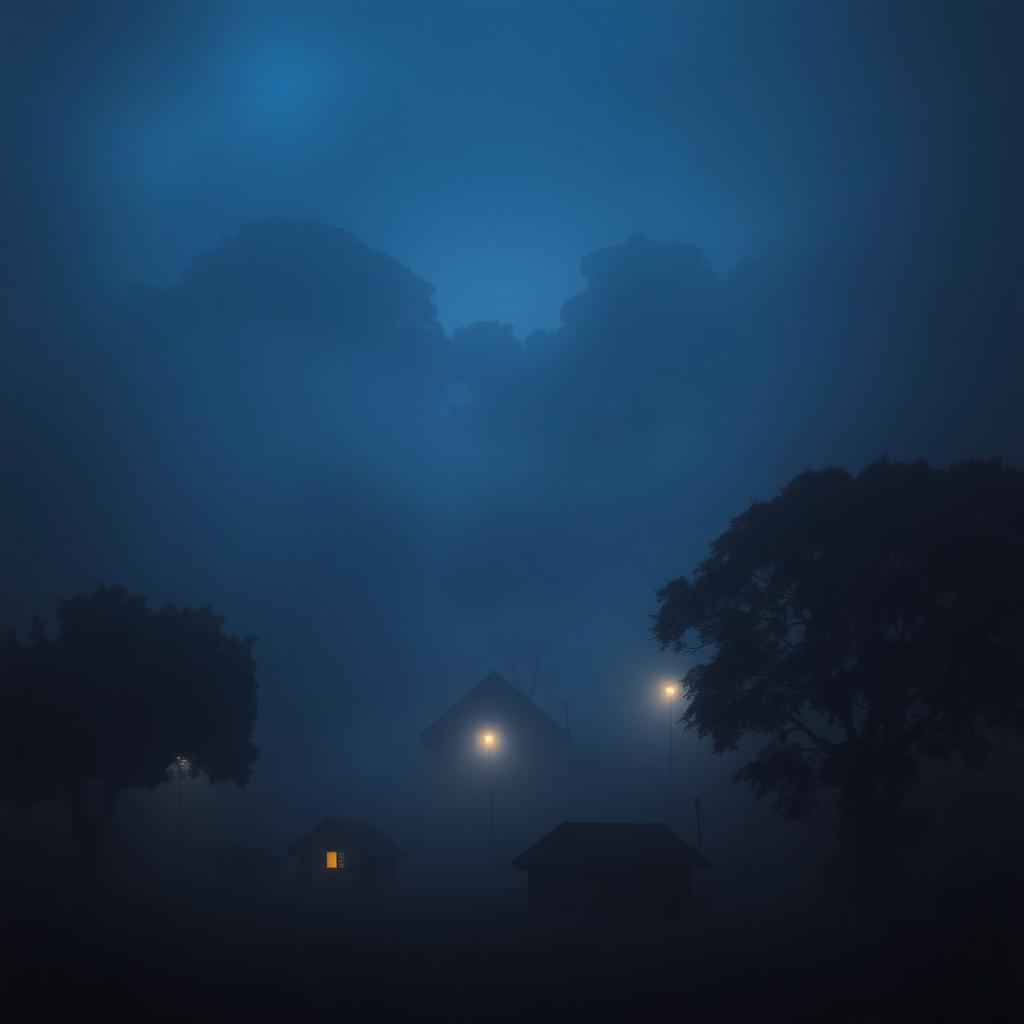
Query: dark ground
x=206 y=958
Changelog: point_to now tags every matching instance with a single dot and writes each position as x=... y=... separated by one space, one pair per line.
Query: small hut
x=589 y=873
x=346 y=856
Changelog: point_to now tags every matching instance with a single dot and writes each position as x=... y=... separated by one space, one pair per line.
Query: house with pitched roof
x=496 y=722
x=586 y=873
x=342 y=856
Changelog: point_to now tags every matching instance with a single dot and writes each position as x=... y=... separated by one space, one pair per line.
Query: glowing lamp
x=488 y=741
x=671 y=690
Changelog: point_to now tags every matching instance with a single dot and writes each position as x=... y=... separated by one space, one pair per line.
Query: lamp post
x=182 y=766
x=670 y=691
x=488 y=742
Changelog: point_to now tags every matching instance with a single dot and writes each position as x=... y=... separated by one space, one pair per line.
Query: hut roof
x=336 y=831
x=609 y=844
x=493 y=695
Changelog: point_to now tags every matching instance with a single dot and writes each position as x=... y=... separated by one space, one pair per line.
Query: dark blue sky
x=288 y=434
x=490 y=146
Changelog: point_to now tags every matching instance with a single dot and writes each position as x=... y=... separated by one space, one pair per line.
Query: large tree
x=116 y=698
x=852 y=625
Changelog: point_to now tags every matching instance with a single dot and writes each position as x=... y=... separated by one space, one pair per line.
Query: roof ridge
x=507 y=689
x=371 y=835
x=610 y=843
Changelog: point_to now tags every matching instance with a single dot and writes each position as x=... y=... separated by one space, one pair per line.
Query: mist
x=412 y=338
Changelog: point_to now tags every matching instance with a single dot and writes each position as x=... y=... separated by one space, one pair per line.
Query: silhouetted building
x=346 y=856
x=495 y=720
x=588 y=873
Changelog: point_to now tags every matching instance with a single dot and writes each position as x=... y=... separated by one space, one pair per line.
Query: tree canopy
x=312 y=280
x=118 y=695
x=857 y=623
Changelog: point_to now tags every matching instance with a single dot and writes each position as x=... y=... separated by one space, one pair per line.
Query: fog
x=395 y=332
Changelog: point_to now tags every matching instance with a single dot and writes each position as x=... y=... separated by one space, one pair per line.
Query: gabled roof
x=609 y=844
x=336 y=831
x=493 y=696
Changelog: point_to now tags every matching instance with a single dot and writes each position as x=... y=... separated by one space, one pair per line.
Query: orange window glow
x=332 y=859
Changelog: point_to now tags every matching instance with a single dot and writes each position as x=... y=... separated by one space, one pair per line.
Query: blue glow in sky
x=475 y=148
x=492 y=146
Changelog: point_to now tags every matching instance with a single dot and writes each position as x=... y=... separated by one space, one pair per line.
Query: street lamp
x=489 y=741
x=670 y=693
x=182 y=766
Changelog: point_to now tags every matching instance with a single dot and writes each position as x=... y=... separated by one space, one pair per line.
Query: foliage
x=311 y=279
x=857 y=624
x=116 y=697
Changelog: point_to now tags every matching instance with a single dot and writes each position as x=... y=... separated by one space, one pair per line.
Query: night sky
x=729 y=240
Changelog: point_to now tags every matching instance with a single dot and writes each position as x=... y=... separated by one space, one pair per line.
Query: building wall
x=360 y=873
x=313 y=870
x=573 y=896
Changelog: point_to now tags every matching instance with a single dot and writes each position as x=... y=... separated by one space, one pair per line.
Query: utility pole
x=671 y=766
x=670 y=691
x=696 y=805
x=490 y=800
x=181 y=762
x=489 y=742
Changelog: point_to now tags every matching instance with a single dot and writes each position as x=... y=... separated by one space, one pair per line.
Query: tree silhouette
x=533 y=660
x=115 y=698
x=859 y=623
x=315 y=281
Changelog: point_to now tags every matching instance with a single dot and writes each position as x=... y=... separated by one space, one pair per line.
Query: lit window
x=332 y=859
